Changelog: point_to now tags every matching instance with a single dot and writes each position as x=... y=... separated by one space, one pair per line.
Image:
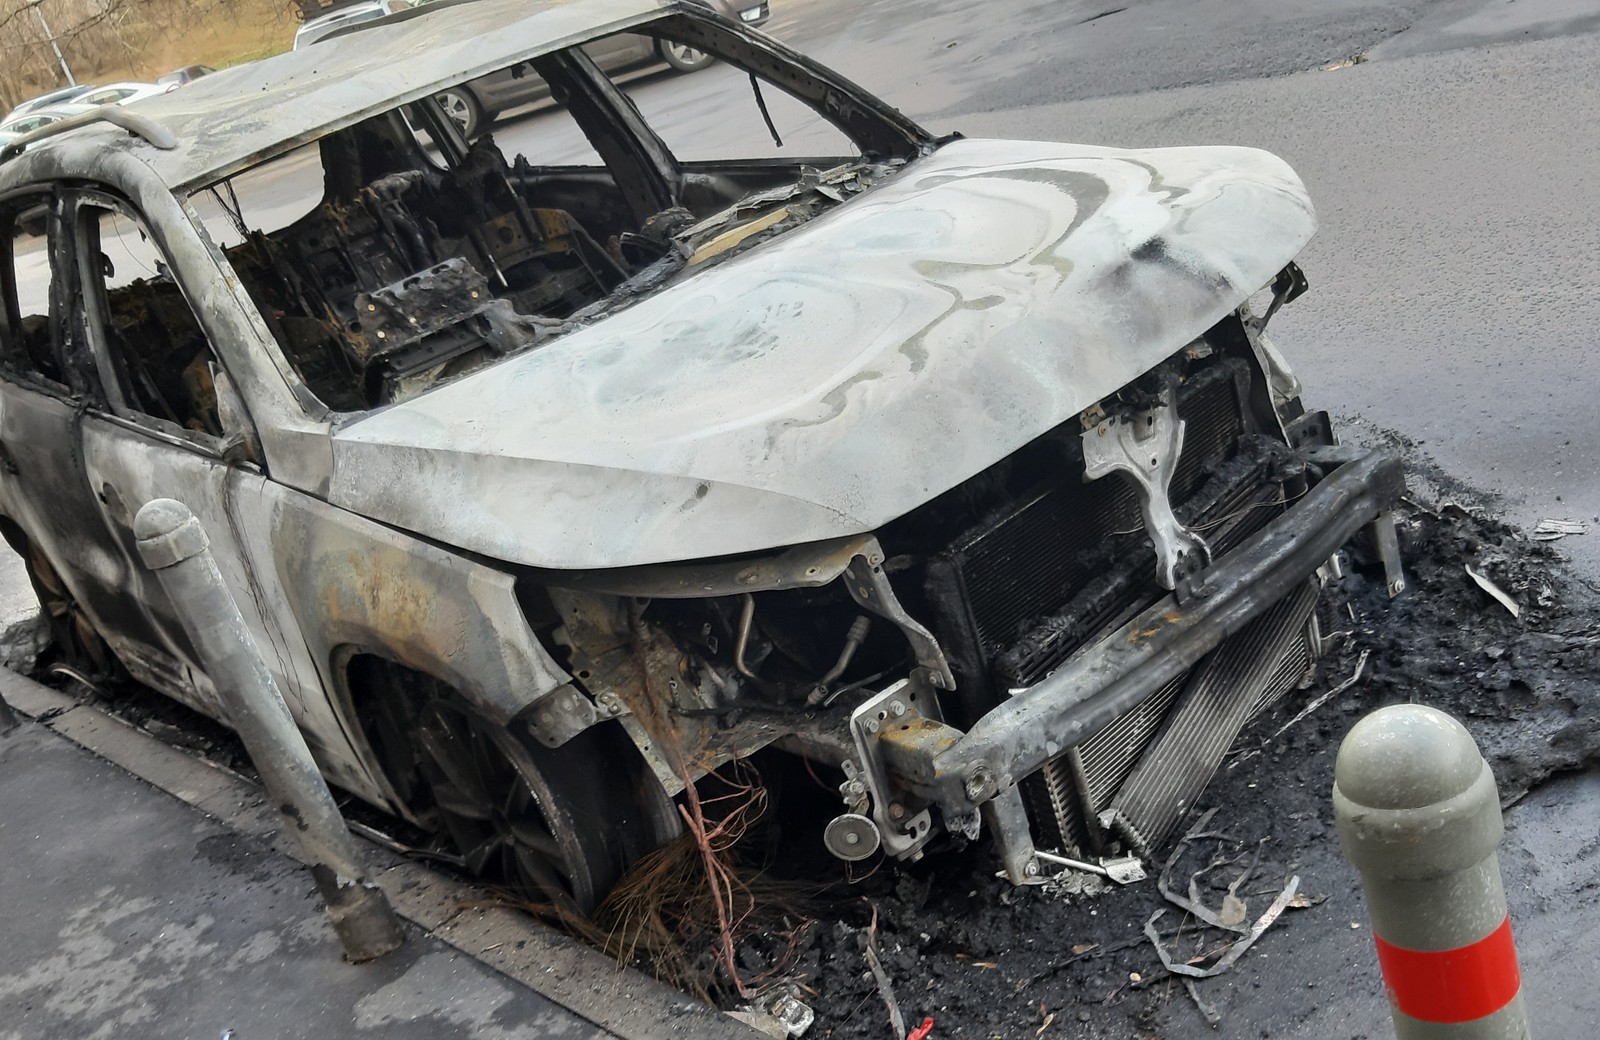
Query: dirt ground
x=1073 y=959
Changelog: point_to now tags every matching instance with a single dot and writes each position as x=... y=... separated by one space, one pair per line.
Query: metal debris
x=1500 y=595
x=897 y=1021
x=1124 y=870
x=1309 y=709
x=781 y=1018
x=1164 y=882
x=795 y=1014
x=1210 y=1014
x=1235 y=950
x=1549 y=529
x=760 y=1021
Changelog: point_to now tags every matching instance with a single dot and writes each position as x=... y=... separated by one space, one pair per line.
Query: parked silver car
x=55 y=97
x=16 y=126
x=962 y=469
x=474 y=105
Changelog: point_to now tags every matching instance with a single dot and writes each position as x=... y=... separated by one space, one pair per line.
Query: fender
x=355 y=586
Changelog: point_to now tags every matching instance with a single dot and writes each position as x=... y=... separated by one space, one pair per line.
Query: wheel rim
x=686 y=54
x=499 y=808
x=455 y=106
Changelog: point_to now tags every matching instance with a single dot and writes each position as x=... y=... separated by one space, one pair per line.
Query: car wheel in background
x=463 y=110
x=683 y=57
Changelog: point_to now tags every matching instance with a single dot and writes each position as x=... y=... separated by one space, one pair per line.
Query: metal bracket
x=1007 y=821
x=1145 y=447
x=870 y=588
x=560 y=715
x=1387 y=541
x=903 y=833
x=1287 y=287
x=1124 y=870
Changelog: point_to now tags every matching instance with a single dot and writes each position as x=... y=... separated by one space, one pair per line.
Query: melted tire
x=558 y=825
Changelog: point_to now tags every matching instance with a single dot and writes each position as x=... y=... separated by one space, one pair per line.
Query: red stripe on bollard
x=1452 y=986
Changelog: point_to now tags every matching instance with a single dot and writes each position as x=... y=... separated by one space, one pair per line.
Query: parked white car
x=119 y=94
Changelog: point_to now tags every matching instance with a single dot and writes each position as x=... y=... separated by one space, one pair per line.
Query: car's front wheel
x=557 y=824
x=463 y=109
x=683 y=57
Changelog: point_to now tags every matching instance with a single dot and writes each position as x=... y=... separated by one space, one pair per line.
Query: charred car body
x=962 y=467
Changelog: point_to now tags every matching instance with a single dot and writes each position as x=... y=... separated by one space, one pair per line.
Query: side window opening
x=723 y=112
x=157 y=364
x=27 y=337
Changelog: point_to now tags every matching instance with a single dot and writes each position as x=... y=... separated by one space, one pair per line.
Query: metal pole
x=8 y=718
x=1418 y=815
x=50 y=37
x=174 y=545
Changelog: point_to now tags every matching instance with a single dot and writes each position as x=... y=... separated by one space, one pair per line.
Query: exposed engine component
x=1015 y=572
x=1122 y=444
x=852 y=837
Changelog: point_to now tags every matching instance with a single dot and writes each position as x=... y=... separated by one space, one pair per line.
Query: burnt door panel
x=161 y=430
x=44 y=490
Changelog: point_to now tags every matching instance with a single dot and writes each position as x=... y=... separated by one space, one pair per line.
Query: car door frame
x=131 y=457
x=44 y=492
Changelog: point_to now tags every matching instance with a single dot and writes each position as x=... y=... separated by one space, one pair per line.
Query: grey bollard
x=174 y=545
x=1418 y=815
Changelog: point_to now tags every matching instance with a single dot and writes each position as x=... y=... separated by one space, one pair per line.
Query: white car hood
x=835 y=378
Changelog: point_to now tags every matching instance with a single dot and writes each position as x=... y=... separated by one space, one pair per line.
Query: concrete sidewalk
x=163 y=905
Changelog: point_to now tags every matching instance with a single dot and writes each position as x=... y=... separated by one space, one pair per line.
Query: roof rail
x=151 y=131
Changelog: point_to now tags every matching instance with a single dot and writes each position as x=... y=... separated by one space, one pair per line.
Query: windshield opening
x=421 y=244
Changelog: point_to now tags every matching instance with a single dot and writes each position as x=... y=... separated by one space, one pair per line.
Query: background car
x=474 y=105
x=119 y=93
x=343 y=17
x=184 y=76
x=55 y=97
x=16 y=125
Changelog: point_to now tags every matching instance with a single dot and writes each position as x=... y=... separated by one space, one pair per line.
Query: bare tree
x=93 y=35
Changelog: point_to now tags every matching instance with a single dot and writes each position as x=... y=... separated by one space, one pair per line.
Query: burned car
x=962 y=469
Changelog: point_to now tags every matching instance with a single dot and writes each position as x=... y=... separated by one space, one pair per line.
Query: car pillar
x=174 y=545
x=1419 y=816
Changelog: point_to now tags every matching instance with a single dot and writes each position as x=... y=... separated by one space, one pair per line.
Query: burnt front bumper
x=958 y=772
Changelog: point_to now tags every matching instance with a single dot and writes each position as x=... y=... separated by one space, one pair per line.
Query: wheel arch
x=624 y=812
x=358 y=588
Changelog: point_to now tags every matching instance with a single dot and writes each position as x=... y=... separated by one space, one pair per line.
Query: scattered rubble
x=885 y=947
x=1548 y=529
x=23 y=643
